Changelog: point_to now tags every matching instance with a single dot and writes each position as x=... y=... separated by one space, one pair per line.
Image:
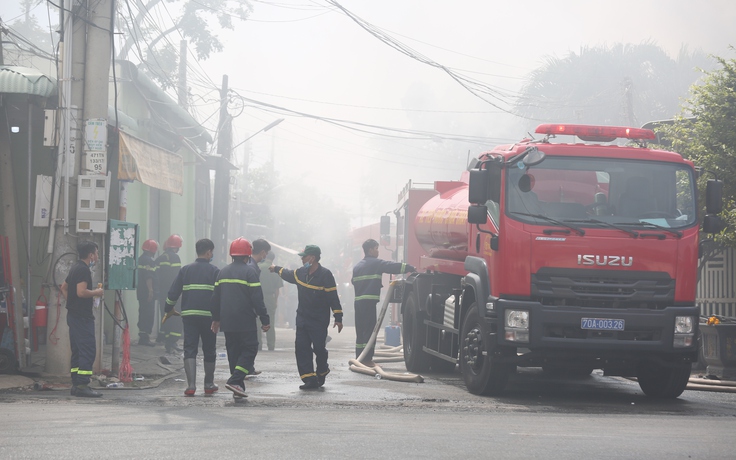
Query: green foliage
x=705 y=132
x=156 y=44
x=621 y=85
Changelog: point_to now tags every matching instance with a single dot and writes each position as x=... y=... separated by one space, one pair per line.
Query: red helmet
x=174 y=241
x=150 y=245
x=241 y=247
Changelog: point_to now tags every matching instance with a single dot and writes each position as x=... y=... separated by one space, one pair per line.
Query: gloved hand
x=169 y=314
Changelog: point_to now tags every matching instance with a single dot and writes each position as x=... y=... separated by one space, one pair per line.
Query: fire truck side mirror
x=477 y=214
x=385 y=227
x=713 y=224
x=478 y=186
x=714 y=196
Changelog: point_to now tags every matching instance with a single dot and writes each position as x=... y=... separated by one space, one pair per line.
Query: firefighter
x=366 y=280
x=271 y=284
x=168 y=265
x=261 y=249
x=195 y=284
x=317 y=296
x=80 y=319
x=235 y=303
x=145 y=292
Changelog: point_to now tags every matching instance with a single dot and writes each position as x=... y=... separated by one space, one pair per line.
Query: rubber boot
x=209 y=378
x=190 y=367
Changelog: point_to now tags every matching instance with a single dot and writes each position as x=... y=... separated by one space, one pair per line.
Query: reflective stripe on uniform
x=367 y=277
x=147 y=267
x=170 y=302
x=196 y=313
x=198 y=287
x=81 y=372
x=316 y=288
x=74 y=369
x=368 y=297
x=173 y=334
x=241 y=369
x=360 y=345
x=311 y=374
x=236 y=281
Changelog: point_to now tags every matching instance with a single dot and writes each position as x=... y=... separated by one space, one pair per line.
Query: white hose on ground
x=356 y=365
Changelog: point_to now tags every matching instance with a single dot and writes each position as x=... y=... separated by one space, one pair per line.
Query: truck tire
x=664 y=382
x=8 y=363
x=481 y=375
x=414 y=334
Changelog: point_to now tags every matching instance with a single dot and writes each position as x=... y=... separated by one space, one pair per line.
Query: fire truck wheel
x=663 y=382
x=8 y=363
x=414 y=331
x=481 y=375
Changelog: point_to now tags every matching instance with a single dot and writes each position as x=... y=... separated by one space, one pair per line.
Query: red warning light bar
x=596 y=133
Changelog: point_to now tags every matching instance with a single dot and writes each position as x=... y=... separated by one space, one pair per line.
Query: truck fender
x=477 y=280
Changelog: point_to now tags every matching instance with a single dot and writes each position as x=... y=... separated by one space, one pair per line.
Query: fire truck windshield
x=595 y=192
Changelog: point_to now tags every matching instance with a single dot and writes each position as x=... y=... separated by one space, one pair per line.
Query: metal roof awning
x=25 y=80
x=150 y=164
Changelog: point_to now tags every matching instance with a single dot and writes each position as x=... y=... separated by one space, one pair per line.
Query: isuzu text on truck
x=566 y=256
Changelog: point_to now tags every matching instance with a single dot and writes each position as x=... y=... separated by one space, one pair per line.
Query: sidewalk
x=151 y=363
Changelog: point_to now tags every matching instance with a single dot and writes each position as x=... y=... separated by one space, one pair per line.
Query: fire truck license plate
x=602 y=324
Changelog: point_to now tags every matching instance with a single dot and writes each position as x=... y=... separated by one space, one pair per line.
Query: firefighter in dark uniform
x=145 y=292
x=236 y=302
x=195 y=284
x=168 y=265
x=80 y=319
x=367 y=275
x=317 y=296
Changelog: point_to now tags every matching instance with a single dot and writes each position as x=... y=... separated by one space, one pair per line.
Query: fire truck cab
x=567 y=256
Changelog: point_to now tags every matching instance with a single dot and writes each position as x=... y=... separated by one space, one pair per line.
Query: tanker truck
x=561 y=253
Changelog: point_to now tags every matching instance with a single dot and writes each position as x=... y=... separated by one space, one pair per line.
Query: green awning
x=25 y=80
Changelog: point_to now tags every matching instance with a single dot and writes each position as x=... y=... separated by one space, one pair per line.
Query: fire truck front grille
x=603 y=288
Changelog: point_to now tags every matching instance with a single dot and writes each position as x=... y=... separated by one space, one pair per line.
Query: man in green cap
x=317 y=296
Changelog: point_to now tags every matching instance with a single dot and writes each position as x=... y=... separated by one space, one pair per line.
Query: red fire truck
x=567 y=256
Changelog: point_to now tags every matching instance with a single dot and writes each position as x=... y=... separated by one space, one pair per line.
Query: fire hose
x=385 y=355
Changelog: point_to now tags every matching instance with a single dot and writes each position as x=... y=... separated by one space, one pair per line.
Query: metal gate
x=716 y=293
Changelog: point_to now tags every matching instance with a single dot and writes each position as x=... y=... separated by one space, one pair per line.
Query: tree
x=621 y=85
x=159 y=56
x=27 y=27
x=704 y=132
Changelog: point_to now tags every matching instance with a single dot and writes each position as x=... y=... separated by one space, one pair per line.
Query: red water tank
x=441 y=225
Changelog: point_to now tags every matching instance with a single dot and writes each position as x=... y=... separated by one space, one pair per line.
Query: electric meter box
x=93 y=193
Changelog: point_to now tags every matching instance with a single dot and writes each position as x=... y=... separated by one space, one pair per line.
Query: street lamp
x=262 y=130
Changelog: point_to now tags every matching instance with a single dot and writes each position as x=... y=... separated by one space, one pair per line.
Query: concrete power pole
x=182 y=83
x=222 y=181
x=84 y=84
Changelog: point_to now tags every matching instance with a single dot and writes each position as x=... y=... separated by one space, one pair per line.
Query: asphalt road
x=357 y=416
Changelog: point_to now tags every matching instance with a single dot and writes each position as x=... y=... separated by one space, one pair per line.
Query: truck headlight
x=684 y=324
x=516 y=326
x=518 y=319
x=684 y=332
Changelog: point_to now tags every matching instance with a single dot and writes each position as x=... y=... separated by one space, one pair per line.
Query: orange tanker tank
x=441 y=225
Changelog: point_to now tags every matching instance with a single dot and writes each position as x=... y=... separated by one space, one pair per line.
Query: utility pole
x=222 y=181
x=87 y=39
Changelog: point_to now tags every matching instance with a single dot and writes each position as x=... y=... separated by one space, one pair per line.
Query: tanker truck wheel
x=663 y=382
x=415 y=332
x=481 y=375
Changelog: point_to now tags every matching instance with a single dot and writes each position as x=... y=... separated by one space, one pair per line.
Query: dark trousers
x=365 y=322
x=311 y=337
x=146 y=311
x=84 y=348
x=242 y=348
x=196 y=327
